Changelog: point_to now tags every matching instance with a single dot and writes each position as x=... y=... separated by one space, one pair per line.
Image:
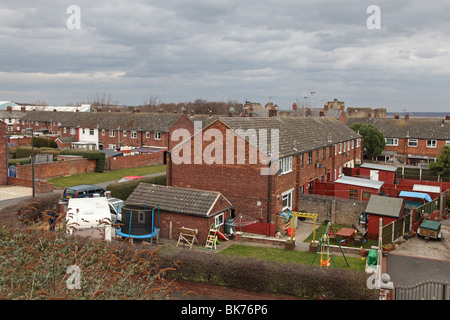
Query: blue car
x=83 y=191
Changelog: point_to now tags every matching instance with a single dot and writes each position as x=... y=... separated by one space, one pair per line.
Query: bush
x=35 y=265
x=99 y=157
x=258 y=275
x=124 y=189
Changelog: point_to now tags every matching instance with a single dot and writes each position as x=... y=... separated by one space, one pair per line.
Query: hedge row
x=124 y=189
x=90 y=155
x=258 y=275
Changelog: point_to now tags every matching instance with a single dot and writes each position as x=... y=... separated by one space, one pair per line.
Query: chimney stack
x=9 y=108
x=447 y=117
x=407 y=116
x=273 y=113
x=294 y=106
x=322 y=113
x=396 y=116
x=160 y=110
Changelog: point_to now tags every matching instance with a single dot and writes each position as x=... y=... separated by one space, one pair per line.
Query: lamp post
x=32 y=158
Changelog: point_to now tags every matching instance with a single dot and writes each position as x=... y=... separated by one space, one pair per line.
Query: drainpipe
x=169 y=153
x=268 y=194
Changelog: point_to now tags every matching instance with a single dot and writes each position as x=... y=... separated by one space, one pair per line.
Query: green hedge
x=124 y=189
x=99 y=157
x=259 y=275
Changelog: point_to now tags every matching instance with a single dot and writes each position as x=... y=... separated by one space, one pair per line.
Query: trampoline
x=138 y=222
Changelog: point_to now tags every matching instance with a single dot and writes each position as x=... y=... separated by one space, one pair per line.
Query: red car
x=129 y=178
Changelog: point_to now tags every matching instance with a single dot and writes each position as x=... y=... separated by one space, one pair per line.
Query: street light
x=32 y=157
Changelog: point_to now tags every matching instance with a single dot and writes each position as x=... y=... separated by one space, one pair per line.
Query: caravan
x=89 y=217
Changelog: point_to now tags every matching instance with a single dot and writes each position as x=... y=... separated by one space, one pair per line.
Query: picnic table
x=347 y=235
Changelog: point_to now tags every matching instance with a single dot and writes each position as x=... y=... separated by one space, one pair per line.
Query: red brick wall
x=136 y=161
x=55 y=169
x=202 y=224
x=39 y=186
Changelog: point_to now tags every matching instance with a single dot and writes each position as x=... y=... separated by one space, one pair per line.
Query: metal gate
x=427 y=290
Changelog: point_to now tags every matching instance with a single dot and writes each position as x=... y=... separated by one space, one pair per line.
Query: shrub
x=258 y=275
x=35 y=265
x=99 y=157
x=124 y=189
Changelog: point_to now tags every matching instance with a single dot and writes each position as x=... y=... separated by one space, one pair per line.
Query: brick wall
x=55 y=169
x=39 y=186
x=136 y=161
x=336 y=210
x=226 y=293
x=421 y=149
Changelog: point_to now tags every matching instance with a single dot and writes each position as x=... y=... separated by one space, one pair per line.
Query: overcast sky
x=181 y=50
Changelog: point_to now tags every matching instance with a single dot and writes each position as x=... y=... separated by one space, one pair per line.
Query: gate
x=12 y=171
x=427 y=290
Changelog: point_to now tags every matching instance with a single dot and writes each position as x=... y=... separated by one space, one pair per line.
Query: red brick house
x=110 y=130
x=183 y=207
x=310 y=149
x=411 y=140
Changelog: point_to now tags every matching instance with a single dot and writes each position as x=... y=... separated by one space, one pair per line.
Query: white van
x=89 y=217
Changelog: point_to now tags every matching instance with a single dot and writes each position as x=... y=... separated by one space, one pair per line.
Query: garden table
x=347 y=235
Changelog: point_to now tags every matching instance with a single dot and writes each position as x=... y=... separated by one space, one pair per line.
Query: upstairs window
x=431 y=143
x=391 y=141
x=285 y=165
x=412 y=142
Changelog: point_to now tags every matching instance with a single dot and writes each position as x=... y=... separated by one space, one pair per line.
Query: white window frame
x=72 y=131
x=91 y=132
x=358 y=143
x=287 y=196
x=219 y=220
x=147 y=134
x=447 y=143
x=103 y=132
x=112 y=133
x=133 y=134
x=65 y=129
x=141 y=216
x=285 y=165
x=433 y=143
x=394 y=142
x=112 y=147
x=416 y=141
x=157 y=135
x=124 y=133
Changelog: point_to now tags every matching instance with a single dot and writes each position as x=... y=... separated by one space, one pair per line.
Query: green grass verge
x=94 y=177
x=292 y=256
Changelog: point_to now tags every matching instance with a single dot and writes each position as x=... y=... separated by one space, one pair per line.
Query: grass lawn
x=95 y=177
x=294 y=256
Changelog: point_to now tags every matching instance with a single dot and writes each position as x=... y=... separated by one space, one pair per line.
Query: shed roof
x=361 y=182
x=381 y=167
x=175 y=199
x=385 y=206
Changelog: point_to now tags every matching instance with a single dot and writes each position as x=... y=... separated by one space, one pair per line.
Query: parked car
x=82 y=191
x=115 y=207
x=129 y=178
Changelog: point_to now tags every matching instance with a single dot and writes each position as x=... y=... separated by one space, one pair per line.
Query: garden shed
x=184 y=208
x=387 y=208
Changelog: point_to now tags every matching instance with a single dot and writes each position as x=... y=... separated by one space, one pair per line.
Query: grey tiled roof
x=414 y=128
x=296 y=134
x=108 y=120
x=175 y=199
